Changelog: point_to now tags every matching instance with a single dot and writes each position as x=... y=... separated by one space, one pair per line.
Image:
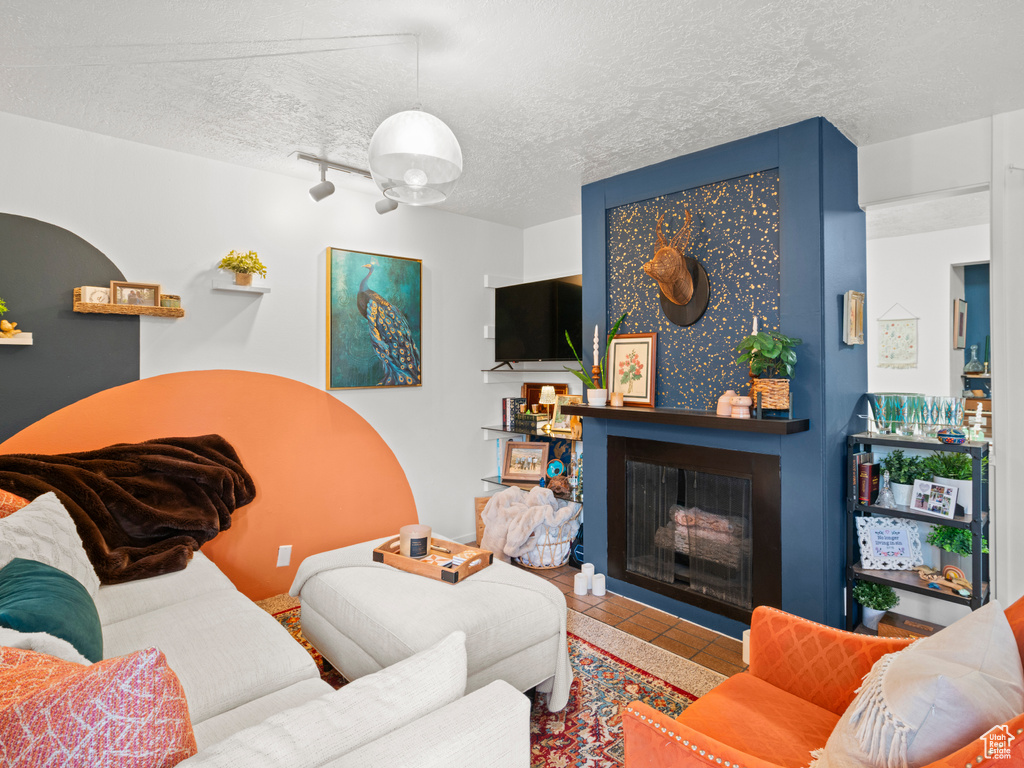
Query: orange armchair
x=802 y=677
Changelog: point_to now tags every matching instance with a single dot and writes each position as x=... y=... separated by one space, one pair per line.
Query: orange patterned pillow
x=10 y=503
x=127 y=711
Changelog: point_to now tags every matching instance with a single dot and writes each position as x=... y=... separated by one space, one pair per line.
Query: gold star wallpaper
x=735 y=236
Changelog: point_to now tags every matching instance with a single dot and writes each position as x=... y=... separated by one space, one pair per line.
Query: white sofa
x=255 y=695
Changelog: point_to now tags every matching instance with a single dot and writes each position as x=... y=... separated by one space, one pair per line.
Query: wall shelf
x=124 y=309
x=231 y=287
x=683 y=418
x=21 y=340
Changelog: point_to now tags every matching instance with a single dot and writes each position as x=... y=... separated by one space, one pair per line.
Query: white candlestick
x=598 y=590
x=579 y=584
x=755 y=324
x=588 y=570
x=595 y=346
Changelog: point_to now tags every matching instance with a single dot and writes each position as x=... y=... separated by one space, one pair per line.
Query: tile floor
x=707 y=648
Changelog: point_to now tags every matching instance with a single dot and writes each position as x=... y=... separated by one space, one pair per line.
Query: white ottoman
x=364 y=616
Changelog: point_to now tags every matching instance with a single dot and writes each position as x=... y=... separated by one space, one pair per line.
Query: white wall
x=167 y=217
x=964 y=158
x=916 y=271
x=554 y=249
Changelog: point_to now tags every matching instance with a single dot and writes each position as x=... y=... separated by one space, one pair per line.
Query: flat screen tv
x=530 y=320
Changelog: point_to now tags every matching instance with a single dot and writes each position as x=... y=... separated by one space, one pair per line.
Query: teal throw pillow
x=35 y=597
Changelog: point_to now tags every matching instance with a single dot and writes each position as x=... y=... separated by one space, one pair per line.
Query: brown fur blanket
x=141 y=509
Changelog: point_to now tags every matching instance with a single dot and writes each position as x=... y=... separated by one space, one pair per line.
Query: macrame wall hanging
x=897 y=338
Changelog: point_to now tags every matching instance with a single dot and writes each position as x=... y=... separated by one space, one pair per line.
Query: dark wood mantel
x=683 y=418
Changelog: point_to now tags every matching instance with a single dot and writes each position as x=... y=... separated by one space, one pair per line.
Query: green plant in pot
x=770 y=356
x=875 y=600
x=594 y=381
x=956 y=541
x=903 y=471
x=955 y=469
x=244 y=265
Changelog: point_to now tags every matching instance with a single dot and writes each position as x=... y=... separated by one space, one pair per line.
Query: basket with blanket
x=535 y=528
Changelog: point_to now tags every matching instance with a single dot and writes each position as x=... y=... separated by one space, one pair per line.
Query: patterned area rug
x=588 y=732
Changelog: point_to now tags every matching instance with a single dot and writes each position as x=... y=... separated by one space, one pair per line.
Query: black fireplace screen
x=690 y=528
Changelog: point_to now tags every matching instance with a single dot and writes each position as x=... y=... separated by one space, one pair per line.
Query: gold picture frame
x=524 y=462
x=560 y=422
x=134 y=294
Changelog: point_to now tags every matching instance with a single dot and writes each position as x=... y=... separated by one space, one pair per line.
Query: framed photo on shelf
x=933 y=499
x=959 y=323
x=135 y=294
x=559 y=420
x=631 y=367
x=524 y=462
x=889 y=544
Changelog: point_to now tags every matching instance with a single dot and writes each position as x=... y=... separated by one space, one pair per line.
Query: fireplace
x=697 y=524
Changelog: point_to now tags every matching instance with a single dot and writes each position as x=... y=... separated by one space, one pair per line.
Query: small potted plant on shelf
x=903 y=471
x=954 y=546
x=595 y=381
x=875 y=600
x=770 y=356
x=8 y=330
x=244 y=265
x=955 y=469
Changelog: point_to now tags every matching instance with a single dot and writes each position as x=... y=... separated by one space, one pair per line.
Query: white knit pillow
x=41 y=642
x=931 y=698
x=334 y=724
x=44 y=531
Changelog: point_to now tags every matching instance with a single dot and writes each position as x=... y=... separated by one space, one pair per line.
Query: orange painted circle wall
x=324 y=477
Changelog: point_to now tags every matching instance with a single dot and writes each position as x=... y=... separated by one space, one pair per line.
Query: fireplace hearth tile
x=679 y=649
x=617 y=608
x=718 y=665
x=731 y=651
x=647 y=621
x=644 y=633
x=604 y=616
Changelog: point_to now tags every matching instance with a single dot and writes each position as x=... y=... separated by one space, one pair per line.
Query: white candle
x=588 y=570
x=598 y=590
x=595 y=346
x=755 y=324
x=579 y=584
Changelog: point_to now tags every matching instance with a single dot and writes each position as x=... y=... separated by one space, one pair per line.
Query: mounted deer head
x=668 y=267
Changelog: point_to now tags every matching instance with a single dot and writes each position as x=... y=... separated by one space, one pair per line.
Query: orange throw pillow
x=125 y=712
x=10 y=503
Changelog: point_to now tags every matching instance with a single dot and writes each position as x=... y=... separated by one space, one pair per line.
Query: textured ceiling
x=929 y=215
x=544 y=96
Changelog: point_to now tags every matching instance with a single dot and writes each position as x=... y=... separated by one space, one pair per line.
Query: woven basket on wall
x=554 y=545
x=774 y=393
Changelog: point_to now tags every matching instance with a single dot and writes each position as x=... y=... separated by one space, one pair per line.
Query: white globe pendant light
x=415 y=158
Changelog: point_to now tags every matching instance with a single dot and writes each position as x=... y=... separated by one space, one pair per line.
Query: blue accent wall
x=822 y=255
x=735 y=236
x=976 y=293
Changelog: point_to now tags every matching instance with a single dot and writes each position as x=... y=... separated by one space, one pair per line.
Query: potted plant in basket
x=595 y=381
x=244 y=265
x=875 y=600
x=770 y=357
x=903 y=471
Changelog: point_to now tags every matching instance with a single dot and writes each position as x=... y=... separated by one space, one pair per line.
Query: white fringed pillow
x=931 y=698
x=44 y=531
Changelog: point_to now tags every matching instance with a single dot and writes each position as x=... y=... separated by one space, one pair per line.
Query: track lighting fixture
x=324 y=189
x=385 y=205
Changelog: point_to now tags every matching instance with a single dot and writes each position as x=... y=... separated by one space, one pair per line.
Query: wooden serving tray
x=477 y=560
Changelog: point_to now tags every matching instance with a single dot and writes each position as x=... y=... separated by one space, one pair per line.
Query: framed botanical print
x=374 y=327
x=631 y=367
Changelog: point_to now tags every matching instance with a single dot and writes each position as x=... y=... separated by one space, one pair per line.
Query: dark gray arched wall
x=73 y=355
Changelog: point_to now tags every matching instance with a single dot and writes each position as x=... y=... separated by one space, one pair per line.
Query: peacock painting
x=374 y=323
